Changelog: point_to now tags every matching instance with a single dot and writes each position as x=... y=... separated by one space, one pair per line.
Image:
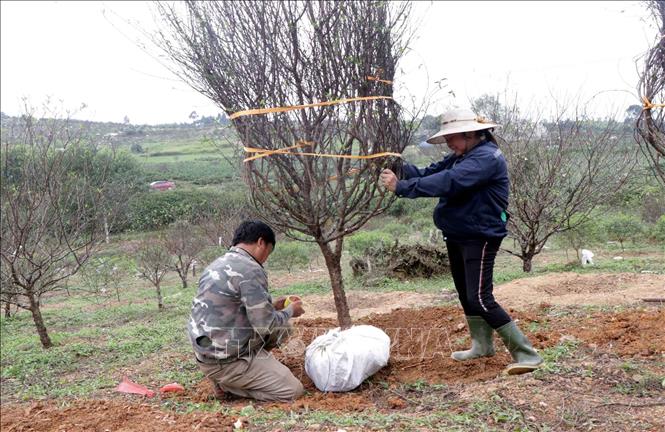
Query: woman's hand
x=388 y=180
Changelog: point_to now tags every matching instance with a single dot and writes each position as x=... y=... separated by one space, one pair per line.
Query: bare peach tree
x=246 y=55
x=153 y=262
x=561 y=168
x=52 y=192
x=185 y=244
x=220 y=226
x=650 y=126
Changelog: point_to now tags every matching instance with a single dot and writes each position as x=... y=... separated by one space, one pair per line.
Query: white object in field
x=587 y=257
x=617 y=258
x=341 y=360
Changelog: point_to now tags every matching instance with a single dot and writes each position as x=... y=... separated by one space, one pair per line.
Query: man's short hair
x=251 y=231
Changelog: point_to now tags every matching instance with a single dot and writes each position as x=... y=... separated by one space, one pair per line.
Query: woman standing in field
x=472 y=186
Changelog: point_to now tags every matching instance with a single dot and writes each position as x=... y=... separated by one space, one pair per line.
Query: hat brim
x=439 y=137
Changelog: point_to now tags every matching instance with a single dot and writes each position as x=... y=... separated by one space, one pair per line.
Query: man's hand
x=293 y=300
x=388 y=180
x=297 y=308
x=279 y=303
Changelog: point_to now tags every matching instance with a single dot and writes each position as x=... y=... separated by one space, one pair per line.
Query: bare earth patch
x=279 y=279
x=573 y=289
x=364 y=303
x=101 y=415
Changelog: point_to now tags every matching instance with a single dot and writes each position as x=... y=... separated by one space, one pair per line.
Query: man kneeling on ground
x=234 y=323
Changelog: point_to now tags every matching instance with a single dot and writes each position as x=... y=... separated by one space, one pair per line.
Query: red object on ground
x=173 y=387
x=162 y=185
x=127 y=386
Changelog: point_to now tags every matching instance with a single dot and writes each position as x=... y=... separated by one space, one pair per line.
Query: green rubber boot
x=525 y=356
x=482 y=344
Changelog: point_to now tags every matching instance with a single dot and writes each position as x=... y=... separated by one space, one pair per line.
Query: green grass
x=196 y=171
x=485 y=416
x=191 y=145
x=553 y=357
x=304 y=288
x=639 y=381
x=94 y=344
x=193 y=158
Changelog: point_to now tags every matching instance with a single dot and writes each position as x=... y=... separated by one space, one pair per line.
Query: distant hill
x=127 y=133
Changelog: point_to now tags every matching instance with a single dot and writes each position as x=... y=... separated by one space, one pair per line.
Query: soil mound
x=423 y=339
x=106 y=415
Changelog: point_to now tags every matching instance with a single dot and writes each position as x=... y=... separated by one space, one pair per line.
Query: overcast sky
x=82 y=52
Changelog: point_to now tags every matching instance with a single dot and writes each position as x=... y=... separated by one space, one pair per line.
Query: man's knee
x=293 y=389
x=288 y=389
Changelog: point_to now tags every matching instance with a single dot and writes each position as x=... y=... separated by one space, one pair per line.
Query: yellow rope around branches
x=260 y=153
x=647 y=105
x=376 y=78
x=257 y=111
x=266 y=152
x=350 y=172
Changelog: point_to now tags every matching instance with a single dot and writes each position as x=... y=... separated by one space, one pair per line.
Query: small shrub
x=652 y=204
x=408 y=207
x=290 y=255
x=588 y=232
x=659 y=229
x=359 y=243
x=101 y=277
x=396 y=229
x=210 y=254
x=136 y=148
x=622 y=227
x=152 y=210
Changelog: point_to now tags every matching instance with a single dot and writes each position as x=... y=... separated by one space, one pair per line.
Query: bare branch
x=650 y=125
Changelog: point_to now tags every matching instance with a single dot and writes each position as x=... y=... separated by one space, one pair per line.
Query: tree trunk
x=39 y=322
x=526 y=263
x=8 y=312
x=334 y=263
x=183 y=277
x=106 y=230
x=160 y=303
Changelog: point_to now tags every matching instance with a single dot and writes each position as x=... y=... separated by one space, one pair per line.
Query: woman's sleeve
x=411 y=171
x=467 y=174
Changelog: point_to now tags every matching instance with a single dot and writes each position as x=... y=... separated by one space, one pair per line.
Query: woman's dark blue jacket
x=472 y=189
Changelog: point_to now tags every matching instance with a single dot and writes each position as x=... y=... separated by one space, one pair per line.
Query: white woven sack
x=340 y=361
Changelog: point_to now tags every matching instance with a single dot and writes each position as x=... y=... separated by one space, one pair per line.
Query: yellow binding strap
x=647 y=105
x=265 y=152
x=376 y=78
x=256 y=111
